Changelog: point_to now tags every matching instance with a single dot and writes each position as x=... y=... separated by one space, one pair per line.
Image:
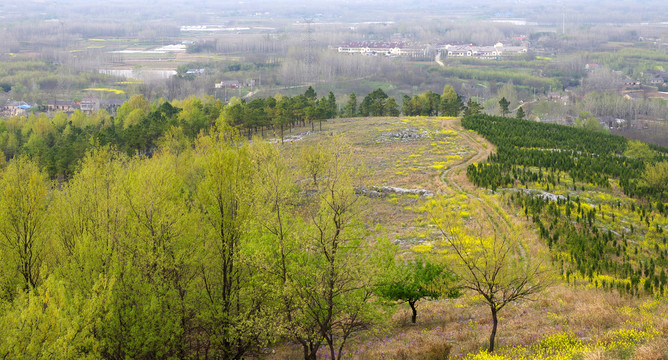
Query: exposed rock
x=540 y=193
x=404 y=135
x=291 y=138
x=382 y=191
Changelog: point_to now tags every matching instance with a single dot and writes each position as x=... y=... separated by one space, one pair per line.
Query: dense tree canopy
x=211 y=251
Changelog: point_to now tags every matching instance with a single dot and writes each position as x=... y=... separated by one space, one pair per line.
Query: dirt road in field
x=455 y=176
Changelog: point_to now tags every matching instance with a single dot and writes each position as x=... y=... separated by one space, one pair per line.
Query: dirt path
x=455 y=176
x=438 y=59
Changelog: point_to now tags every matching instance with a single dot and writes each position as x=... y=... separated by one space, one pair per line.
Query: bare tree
x=495 y=267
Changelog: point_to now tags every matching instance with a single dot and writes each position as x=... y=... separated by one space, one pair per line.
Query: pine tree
x=520 y=113
x=503 y=104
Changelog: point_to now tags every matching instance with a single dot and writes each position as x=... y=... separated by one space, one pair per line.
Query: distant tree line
x=58 y=142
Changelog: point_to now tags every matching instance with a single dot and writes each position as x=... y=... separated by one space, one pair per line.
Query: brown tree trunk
x=414 y=308
x=495 y=322
x=310 y=353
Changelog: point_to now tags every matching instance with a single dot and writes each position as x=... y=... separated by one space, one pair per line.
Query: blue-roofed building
x=14 y=108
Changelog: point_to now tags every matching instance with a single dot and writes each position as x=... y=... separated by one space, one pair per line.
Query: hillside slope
x=572 y=319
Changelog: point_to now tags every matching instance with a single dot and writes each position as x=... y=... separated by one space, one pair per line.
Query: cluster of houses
x=86 y=105
x=236 y=84
x=658 y=78
x=13 y=108
x=483 y=52
x=384 y=48
x=399 y=48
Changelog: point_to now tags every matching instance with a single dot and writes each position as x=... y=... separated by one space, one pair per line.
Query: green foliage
x=589 y=242
x=503 y=106
x=350 y=109
x=374 y=104
x=655 y=178
x=589 y=122
x=472 y=108
x=638 y=150
x=391 y=107
x=215 y=250
x=419 y=279
x=520 y=113
x=451 y=102
x=234 y=310
x=24 y=200
x=313 y=162
x=584 y=155
x=53 y=322
x=500 y=76
x=310 y=93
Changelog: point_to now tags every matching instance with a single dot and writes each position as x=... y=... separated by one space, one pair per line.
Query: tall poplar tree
x=24 y=200
x=451 y=102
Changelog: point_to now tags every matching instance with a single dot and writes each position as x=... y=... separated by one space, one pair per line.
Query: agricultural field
x=581 y=315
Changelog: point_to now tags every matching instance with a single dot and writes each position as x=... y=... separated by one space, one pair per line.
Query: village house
x=458 y=50
x=486 y=52
x=657 y=80
x=228 y=84
x=508 y=49
x=14 y=108
x=591 y=67
x=195 y=71
x=381 y=48
x=89 y=105
x=483 y=52
x=558 y=97
x=111 y=105
x=66 y=106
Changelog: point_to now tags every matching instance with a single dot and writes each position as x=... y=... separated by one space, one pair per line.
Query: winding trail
x=454 y=177
x=438 y=59
x=482 y=148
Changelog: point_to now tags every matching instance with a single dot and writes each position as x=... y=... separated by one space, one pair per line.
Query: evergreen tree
x=472 y=107
x=350 y=109
x=374 y=104
x=310 y=93
x=503 y=105
x=391 y=107
x=406 y=106
x=332 y=108
x=520 y=113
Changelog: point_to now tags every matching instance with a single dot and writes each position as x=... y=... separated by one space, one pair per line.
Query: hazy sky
x=202 y=11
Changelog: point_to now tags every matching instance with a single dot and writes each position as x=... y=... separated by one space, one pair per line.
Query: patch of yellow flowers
x=115 y=91
x=566 y=345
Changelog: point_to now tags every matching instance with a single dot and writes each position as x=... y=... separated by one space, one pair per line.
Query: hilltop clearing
x=577 y=317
